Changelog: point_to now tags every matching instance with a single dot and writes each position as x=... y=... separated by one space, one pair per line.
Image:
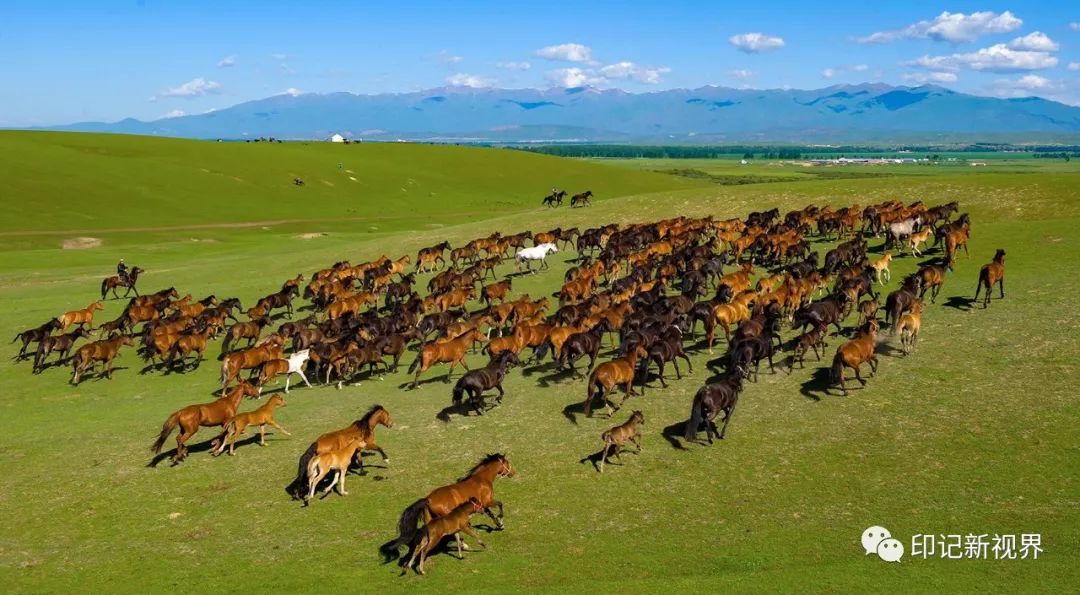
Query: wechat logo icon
x=878 y=540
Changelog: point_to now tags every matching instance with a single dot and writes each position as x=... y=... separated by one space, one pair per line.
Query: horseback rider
x=122 y=272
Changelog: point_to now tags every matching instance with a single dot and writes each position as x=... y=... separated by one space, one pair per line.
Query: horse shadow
x=408 y=384
x=673 y=434
x=887 y=348
x=959 y=302
x=817 y=385
x=572 y=410
x=200 y=447
x=595 y=457
x=461 y=409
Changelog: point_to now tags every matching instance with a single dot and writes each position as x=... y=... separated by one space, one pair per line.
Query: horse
x=619 y=434
x=294 y=364
x=104 y=351
x=249 y=330
x=554 y=200
x=899 y=301
x=581 y=199
x=901 y=229
x=811 y=339
x=261 y=417
x=79 y=317
x=35 y=335
x=192 y=417
x=113 y=282
x=917 y=238
x=475 y=382
x=187 y=344
x=668 y=348
x=582 y=344
x=990 y=274
x=478 y=483
x=61 y=344
x=881 y=266
x=427 y=259
x=233 y=363
x=496 y=291
x=451 y=351
x=933 y=278
x=432 y=533
x=363 y=427
x=610 y=374
x=854 y=353
x=336 y=461
x=709 y=401
x=909 y=326
x=538 y=252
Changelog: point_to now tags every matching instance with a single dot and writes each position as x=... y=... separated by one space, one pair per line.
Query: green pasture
x=976 y=432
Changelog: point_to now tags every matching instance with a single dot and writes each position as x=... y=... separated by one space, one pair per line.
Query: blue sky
x=105 y=60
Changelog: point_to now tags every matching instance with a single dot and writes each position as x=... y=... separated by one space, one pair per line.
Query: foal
x=621 y=433
x=454 y=523
x=260 y=417
x=909 y=326
x=335 y=461
x=882 y=266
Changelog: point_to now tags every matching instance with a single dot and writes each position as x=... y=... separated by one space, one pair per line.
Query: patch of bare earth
x=80 y=243
x=310 y=235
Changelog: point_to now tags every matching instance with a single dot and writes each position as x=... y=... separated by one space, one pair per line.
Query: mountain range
x=849 y=113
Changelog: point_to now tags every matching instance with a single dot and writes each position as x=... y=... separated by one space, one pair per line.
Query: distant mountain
x=863 y=112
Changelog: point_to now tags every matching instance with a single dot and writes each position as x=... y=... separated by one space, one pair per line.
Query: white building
x=337 y=138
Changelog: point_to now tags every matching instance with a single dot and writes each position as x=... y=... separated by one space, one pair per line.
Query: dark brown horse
x=35 y=335
x=114 y=282
x=581 y=199
x=619 y=434
x=990 y=274
x=478 y=483
x=900 y=301
x=709 y=401
x=475 y=382
x=61 y=344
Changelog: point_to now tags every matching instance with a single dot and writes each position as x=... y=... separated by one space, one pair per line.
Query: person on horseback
x=122 y=272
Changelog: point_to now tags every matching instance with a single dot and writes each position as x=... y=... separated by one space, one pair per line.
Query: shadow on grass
x=958 y=302
x=817 y=386
x=674 y=434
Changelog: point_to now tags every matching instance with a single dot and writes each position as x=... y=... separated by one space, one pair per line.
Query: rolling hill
x=863 y=112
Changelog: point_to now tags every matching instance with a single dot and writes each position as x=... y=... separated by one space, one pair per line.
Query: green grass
x=974 y=433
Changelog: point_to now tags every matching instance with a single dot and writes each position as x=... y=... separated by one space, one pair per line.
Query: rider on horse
x=122 y=272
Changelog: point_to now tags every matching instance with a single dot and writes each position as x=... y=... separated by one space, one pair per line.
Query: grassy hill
x=973 y=433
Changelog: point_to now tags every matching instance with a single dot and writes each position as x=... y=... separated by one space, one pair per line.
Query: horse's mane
x=491 y=458
x=363 y=421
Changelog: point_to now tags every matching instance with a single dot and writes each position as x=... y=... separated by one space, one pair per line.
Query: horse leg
x=262 y=434
x=276 y=426
x=603 y=457
x=502 y=513
x=858 y=376
x=873 y=365
x=1001 y=286
x=727 y=419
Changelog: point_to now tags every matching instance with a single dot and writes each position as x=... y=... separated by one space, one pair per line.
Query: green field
x=976 y=432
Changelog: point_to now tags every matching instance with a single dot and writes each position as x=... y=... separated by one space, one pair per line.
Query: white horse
x=538 y=252
x=900 y=230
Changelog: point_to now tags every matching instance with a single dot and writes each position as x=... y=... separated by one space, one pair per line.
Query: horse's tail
x=104 y=287
x=542 y=349
x=697 y=414
x=416 y=362
x=298 y=485
x=837 y=369
x=459 y=393
x=406 y=530
x=225 y=343
x=166 y=429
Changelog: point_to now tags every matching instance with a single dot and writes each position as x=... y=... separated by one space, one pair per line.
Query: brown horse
x=234 y=363
x=249 y=330
x=854 y=353
x=112 y=283
x=192 y=417
x=581 y=199
x=619 y=434
x=478 y=483
x=79 y=317
x=61 y=344
x=261 y=417
x=364 y=427
x=451 y=351
x=990 y=274
x=909 y=326
x=336 y=461
x=610 y=374
x=105 y=351
x=933 y=278
x=431 y=534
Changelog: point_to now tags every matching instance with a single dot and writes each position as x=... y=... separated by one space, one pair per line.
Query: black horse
x=710 y=400
x=475 y=382
x=555 y=199
x=900 y=301
x=35 y=335
x=579 y=345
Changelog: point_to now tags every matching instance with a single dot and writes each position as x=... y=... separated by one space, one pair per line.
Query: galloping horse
x=451 y=351
x=581 y=199
x=475 y=382
x=334 y=461
x=112 y=283
x=854 y=353
x=431 y=534
x=61 y=344
x=35 y=335
x=709 y=401
x=364 y=427
x=104 y=351
x=192 y=417
x=538 y=252
x=294 y=364
x=233 y=363
x=478 y=483
x=619 y=434
x=990 y=274
x=261 y=417
x=608 y=375
x=554 y=200
x=79 y=317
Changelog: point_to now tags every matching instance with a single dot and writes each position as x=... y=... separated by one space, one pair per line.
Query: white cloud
x=176 y=113
x=227 y=61
x=649 y=75
x=1024 y=86
x=930 y=77
x=292 y=91
x=566 y=52
x=447 y=58
x=193 y=88
x=1074 y=26
x=828 y=73
x=279 y=57
x=755 y=43
x=740 y=74
x=574 y=77
x=1036 y=41
x=513 y=65
x=953 y=27
x=468 y=80
x=861 y=67
x=996 y=58
x=1074 y=66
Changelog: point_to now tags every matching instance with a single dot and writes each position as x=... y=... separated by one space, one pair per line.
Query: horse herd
x=641 y=288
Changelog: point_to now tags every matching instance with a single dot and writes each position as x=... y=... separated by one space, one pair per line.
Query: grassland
x=974 y=433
